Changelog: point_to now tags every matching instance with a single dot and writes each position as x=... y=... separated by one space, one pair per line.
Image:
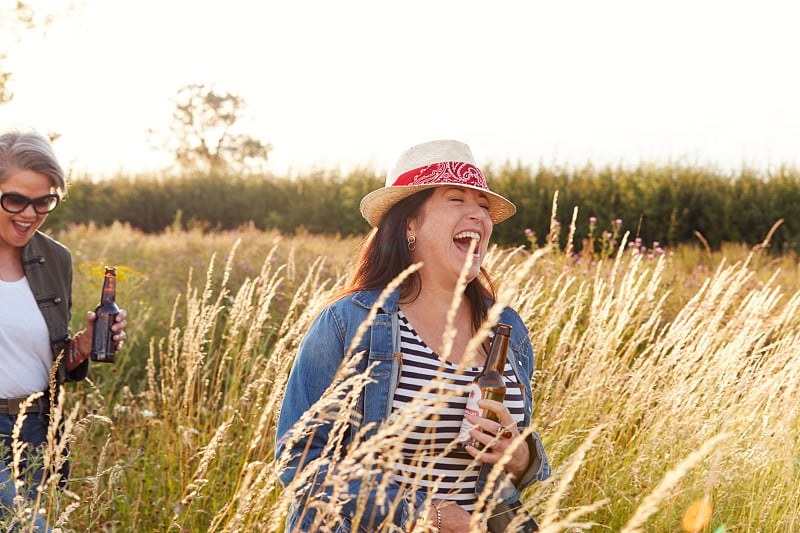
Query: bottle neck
x=109 y=288
x=499 y=349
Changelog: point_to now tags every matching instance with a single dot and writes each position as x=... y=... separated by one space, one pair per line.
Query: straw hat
x=432 y=164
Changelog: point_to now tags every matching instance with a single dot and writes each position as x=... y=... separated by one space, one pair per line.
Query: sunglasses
x=17 y=203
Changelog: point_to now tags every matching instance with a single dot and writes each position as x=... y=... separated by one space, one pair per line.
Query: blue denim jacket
x=320 y=355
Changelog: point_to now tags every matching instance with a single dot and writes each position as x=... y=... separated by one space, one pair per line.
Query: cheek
x=39 y=221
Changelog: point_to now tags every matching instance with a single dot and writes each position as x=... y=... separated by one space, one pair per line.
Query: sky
x=345 y=83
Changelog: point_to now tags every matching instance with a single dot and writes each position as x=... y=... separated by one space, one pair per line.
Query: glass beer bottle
x=103 y=345
x=487 y=385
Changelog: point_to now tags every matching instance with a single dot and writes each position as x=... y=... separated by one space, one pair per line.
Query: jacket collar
x=367 y=299
x=33 y=248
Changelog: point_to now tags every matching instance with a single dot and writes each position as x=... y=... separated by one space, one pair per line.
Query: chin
x=472 y=274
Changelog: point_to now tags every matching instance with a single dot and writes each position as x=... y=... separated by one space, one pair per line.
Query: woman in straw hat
x=381 y=454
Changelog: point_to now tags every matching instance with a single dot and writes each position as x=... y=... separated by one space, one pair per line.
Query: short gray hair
x=30 y=151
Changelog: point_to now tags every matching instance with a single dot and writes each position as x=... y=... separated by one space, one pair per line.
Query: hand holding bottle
x=81 y=346
x=498 y=436
x=105 y=328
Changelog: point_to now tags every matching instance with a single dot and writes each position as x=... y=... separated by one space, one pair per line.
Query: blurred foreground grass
x=660 y=382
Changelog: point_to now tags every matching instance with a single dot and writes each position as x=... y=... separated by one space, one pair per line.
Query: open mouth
x=22 y=228
x=463 y=240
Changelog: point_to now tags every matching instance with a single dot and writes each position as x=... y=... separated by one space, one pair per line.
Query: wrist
x=436 y=517
x=76 y=353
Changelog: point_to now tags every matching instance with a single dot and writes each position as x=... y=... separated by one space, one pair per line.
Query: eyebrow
x=481 y=194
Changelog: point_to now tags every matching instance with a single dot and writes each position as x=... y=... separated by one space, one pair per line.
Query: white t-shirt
x=25 y=356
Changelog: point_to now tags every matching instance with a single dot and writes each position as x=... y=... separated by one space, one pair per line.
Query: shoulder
x=520 y=336
x=349 y=309
x=348 y=312
x=361 y=302
x=43 y=245
x=510 y=316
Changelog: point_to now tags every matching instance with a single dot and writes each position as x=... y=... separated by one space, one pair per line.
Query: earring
x=412 y=243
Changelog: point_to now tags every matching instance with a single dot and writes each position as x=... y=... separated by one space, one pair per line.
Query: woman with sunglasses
x=35 y=310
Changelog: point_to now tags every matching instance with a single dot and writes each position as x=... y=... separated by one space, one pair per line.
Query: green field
x=661 y=380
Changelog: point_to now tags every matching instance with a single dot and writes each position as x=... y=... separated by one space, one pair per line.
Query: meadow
x=665 y=389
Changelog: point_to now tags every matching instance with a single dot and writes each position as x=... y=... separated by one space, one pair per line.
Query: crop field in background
x=663 y=378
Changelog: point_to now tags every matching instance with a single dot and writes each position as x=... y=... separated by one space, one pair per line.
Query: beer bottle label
x=472 y=408
x=103 y=341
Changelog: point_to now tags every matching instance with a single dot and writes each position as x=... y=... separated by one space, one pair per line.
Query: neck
x=11 y=264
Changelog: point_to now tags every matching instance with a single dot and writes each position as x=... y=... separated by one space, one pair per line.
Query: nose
x=29 y=211
x=478 y=212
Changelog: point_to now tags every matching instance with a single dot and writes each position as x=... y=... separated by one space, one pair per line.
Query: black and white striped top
x=430 y=461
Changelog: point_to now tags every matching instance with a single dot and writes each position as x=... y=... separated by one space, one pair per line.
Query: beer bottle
x=103 y=345
x=487 y=385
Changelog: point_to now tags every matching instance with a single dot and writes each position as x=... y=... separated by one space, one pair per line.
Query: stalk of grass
x=663 y=354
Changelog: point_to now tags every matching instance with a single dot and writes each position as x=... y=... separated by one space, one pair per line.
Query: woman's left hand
x=83 y=338
x=499 y=438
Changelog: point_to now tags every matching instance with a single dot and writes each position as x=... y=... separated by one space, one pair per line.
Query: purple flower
x=592 y=220
x=618 y=222
x=528 y=232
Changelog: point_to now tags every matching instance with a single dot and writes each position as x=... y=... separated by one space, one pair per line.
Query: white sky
x=344 y=83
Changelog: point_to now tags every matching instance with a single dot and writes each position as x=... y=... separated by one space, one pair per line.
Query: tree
x=205 y=132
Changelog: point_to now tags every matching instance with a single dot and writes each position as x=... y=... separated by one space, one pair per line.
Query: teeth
x=468 y=235
x=23 y=224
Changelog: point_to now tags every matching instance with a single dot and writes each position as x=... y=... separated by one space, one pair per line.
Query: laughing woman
x=435 y=202
x=35 y=305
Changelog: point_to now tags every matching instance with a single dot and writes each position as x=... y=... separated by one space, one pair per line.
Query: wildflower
x=618 y=222
x=121 y=408
x=528 y=232
x=697 y=516
x=147 y=413
x=592 y=220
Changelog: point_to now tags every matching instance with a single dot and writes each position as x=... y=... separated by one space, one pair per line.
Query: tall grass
x=659 y=382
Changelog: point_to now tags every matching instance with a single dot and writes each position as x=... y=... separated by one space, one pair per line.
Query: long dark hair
x=384 y=254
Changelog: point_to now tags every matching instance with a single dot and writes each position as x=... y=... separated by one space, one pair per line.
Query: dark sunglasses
x=17 y=203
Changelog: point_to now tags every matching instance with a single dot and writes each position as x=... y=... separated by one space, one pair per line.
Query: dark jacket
x=48 y=268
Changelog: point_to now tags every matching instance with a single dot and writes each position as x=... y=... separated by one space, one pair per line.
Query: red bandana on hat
x=447 y=172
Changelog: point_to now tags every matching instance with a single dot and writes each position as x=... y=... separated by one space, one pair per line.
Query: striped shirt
x=429 y=459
